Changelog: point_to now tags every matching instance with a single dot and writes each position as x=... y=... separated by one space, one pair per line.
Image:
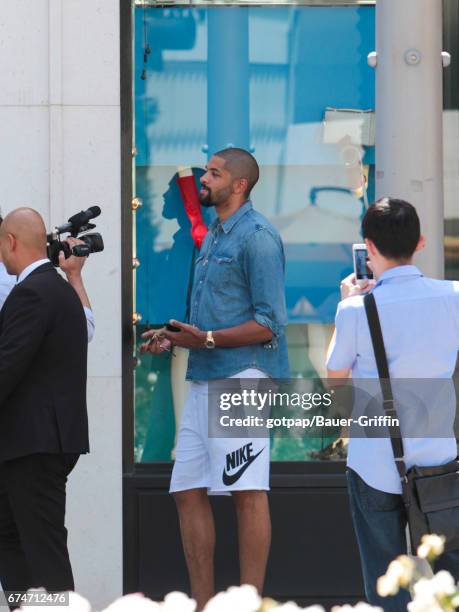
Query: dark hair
x=1 y=219
x=393 y=226
x=241 y=164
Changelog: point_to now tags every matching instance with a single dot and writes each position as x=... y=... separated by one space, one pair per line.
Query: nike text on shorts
x=220 y=465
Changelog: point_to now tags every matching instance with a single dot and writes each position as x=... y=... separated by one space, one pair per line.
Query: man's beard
x=216 y=198
x=205 y=199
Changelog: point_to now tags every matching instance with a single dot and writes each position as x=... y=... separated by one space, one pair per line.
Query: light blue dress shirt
x=420 y=325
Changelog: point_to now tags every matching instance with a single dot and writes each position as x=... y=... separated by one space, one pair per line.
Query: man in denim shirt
x=236 y=329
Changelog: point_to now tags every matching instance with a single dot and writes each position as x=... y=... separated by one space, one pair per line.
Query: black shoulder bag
x=430 y=494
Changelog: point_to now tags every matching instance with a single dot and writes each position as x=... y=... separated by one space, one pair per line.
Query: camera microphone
x=79 y=220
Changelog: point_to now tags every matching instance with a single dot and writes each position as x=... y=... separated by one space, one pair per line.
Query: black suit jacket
x=43 y=360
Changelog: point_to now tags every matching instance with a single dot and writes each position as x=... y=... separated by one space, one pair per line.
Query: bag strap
x=386 y=388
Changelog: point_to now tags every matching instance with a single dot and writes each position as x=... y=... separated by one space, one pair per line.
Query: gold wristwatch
x=210 y=342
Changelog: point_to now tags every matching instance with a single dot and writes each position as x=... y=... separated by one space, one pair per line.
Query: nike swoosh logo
x=229 y=480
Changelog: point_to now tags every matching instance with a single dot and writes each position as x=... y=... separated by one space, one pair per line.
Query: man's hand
x=72 y=269
x=157 y=343
x=189 y=336
x=71 y=266
x=350 y=287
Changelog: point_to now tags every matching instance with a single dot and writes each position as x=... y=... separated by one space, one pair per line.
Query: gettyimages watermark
x=424 y=408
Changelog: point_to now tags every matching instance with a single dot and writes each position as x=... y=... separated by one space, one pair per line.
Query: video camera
x=93 y=243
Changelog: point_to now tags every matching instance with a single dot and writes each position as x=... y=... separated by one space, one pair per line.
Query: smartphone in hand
x=360 y=257
x=172 y=328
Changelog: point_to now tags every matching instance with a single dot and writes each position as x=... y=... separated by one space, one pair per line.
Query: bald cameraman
x=71 y=267
x=43 y=415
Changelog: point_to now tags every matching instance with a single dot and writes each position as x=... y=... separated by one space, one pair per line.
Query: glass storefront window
x=280 y=81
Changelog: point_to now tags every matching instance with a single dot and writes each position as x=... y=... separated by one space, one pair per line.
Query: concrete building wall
x=60 y=137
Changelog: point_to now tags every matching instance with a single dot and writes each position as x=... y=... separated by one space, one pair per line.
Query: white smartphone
x=360 y=256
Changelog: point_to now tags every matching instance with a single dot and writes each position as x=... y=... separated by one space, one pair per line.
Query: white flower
x=401 y=570
x=399 y=573
x=423 y=551
x=289 y=606
x=423 y=589
x=246 y=596
x=431 y=546
x=420 y=606
x=221 y=602
x=433 y=590
x=178 y=602
x=77 y=603
x=135 y=602
x=455 y=600
x=243 y=599
x=428 y=594
x=362 y=606
x=268 y=604
x=443 y=584
x=387 y=585
x=424 y=605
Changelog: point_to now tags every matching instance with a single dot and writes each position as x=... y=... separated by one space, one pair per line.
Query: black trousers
x=33 y=537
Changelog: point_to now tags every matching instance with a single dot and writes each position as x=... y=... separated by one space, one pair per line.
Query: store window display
x=280 y=81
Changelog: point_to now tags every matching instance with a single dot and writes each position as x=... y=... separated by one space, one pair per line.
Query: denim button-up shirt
x=239 y=276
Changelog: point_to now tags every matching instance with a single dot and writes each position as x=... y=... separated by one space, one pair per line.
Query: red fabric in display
x=190 y=196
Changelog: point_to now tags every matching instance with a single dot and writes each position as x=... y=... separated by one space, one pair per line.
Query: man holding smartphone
x=420 y=326
x=236 y=329
x=362 y=271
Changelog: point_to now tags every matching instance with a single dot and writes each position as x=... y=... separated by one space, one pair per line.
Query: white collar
x=30 y=268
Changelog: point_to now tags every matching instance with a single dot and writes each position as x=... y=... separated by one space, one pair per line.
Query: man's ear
x=421 y=243
x=240 y=186
x=372 y=250
x=12 y=242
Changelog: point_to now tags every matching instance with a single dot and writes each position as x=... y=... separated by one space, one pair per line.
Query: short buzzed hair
x=394 y=227
x=241 y=165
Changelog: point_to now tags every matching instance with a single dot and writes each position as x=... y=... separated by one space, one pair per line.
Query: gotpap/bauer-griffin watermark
x=315 y=421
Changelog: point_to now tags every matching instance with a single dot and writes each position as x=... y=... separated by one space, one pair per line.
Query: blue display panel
x=260 y=78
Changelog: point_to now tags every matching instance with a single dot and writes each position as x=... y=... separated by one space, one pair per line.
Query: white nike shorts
x=220 y=465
